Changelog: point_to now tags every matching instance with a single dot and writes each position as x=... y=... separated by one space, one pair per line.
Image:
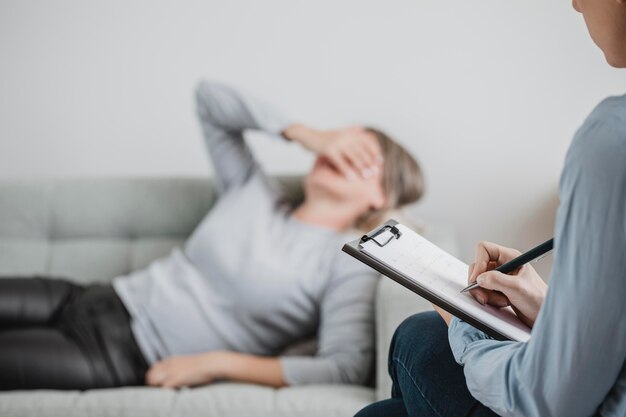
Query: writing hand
x=523 y=289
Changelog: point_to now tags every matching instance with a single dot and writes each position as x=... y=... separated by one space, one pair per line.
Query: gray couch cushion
x=23 y=256
x=220 y=400
x=94 y=230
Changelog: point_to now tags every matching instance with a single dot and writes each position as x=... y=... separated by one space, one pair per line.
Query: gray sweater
x=251 y=278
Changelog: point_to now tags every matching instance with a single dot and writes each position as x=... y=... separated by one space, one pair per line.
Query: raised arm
x=225 y=114
x=578 y=344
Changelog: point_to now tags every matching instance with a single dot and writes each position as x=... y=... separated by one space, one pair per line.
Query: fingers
x=490 y=254
x=351 y=163
x=374 y=151
x=497 y=289
x=485 y=296
x=509 y=285
x=497 y=299
x=361 y=161
x=371 y=151
x=363 y=155
x=355 y=151
x=470 y=269
x=172 y=383
x=491 y=297
x=159 y=375
x=163 y=379
x=481 y=295
x=155 y=375
x=338 y=160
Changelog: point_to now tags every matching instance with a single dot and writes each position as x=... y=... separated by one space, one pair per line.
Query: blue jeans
x=426 y=379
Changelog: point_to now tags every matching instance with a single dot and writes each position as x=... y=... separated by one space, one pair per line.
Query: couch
x=91 y=230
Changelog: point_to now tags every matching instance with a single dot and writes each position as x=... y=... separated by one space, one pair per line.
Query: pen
x=535 y=253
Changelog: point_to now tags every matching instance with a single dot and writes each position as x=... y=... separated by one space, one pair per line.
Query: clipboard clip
x=379 y=236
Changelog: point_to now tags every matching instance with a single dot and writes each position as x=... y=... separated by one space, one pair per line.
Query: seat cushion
x=219 y=400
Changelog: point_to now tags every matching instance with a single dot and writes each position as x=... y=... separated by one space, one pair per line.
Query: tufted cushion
x=219 y=400
x=93 y=230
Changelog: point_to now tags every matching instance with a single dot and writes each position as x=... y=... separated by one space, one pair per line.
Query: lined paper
x=426 y=264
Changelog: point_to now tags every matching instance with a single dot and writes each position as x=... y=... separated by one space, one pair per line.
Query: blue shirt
x=573 y=365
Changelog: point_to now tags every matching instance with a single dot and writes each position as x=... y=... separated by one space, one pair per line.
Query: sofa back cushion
x=92 y=230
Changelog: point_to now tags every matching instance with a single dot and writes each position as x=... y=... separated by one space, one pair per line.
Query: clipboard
x=478 y=316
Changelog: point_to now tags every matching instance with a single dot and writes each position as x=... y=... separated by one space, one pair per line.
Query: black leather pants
x=58 y=335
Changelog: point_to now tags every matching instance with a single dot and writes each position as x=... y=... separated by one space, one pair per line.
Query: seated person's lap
x=426 y=379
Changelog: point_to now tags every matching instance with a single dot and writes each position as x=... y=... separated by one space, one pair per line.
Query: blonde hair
x=402 y=182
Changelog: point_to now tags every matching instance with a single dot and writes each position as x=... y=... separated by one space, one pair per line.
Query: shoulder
x=605 y=126
x=601 y=140
x=611 y=109
x=594 y=175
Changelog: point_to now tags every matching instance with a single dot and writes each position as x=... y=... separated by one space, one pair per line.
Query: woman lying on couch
x=256 y=276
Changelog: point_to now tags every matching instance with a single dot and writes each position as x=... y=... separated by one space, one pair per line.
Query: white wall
x=486 y=93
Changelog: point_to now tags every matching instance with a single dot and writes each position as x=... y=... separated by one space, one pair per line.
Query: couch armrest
x=394 y=303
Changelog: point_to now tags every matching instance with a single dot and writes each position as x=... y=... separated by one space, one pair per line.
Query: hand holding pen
x=521 y=288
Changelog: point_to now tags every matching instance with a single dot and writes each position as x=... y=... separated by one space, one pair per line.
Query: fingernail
x=480 y=280
x=367 y=173
x=375 y=170
x=351 y=175
x=480 y=299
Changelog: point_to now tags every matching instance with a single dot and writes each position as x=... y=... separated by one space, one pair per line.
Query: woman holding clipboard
x=574 y=363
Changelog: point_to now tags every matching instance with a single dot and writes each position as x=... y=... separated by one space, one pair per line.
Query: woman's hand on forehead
x=353 y=150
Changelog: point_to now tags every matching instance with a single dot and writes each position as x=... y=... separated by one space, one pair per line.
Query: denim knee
x=416 y=336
